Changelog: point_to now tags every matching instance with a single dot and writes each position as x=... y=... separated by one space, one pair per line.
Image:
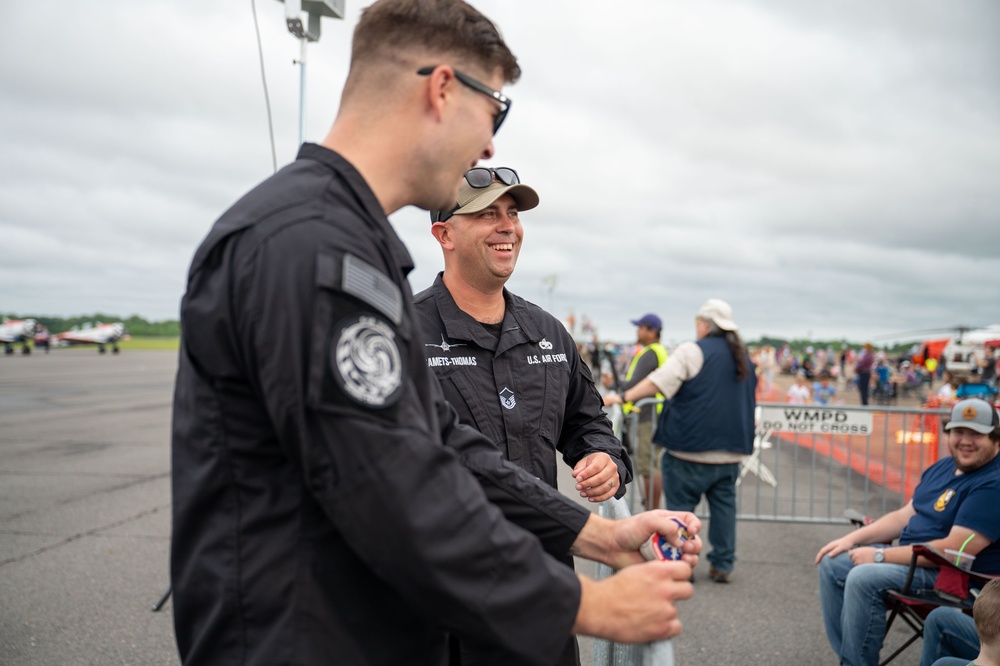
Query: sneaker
x=719 y=576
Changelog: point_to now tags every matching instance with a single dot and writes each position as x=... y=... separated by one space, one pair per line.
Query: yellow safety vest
x=661 y=358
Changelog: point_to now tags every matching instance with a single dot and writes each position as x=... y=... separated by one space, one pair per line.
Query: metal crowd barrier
x=810 y=463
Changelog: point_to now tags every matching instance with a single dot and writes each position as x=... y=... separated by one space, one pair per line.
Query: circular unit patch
x=366 y=362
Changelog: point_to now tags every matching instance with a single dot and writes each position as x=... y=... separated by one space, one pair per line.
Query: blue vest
x=712 y=411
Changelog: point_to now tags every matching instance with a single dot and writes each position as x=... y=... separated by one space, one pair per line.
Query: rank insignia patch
x=507 y=398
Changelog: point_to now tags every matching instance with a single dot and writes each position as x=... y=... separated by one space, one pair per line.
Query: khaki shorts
x=647 y=456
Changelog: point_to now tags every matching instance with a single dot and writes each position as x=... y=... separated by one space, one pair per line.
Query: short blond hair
x=987 y=613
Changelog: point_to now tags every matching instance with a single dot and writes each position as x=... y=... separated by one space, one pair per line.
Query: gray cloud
x=829 y=168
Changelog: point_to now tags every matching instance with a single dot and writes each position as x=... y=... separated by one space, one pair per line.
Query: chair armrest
x=932 y=554
x=857 y=518
x=951 y=579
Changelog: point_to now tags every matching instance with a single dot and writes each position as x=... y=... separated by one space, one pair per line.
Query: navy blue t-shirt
x=971 y=500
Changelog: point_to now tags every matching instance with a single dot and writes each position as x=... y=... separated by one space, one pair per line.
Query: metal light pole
x=308 y=32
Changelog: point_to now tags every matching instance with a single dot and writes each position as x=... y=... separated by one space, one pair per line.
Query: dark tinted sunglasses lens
x=507 y=176
x=479 y=178
x=498 y=120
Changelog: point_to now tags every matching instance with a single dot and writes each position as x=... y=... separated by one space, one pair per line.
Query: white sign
x=822 y=419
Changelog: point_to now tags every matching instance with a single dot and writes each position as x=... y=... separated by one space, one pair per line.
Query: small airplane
x=98 y=334
x=14 y=331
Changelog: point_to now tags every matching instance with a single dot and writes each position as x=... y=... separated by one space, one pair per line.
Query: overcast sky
x=830 y=169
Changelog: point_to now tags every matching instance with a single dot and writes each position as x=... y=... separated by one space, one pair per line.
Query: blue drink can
x=658 y=548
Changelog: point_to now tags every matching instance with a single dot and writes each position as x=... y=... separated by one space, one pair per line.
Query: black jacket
x=323 y=505
x=529 y=392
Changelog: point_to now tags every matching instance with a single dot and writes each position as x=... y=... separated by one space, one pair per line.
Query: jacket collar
x=373 y=213
x=518 y=325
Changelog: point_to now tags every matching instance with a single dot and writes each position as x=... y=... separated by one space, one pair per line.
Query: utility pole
x=306 y=32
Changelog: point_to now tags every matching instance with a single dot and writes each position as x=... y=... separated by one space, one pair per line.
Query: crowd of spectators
x=829 y=375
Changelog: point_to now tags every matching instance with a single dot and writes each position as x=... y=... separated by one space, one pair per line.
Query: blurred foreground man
x=510 y=369
x=327 y=505
x=954 y=506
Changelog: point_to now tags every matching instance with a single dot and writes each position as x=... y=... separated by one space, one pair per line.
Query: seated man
x=954 y=503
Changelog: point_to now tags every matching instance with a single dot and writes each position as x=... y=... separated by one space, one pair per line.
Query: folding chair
x=857 y=519
x=951 y=588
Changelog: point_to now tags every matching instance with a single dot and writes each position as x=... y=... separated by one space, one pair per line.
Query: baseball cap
x=719 y=312
x=649 y=320
x=473 y=200
x=974 y=414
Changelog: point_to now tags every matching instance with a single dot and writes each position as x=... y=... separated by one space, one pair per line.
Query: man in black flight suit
x=509 y=368
x=327 y=505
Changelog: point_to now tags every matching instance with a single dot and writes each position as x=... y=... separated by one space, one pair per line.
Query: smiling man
x=509 y=368
x=953 y=507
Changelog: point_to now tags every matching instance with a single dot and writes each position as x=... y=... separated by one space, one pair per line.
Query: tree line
x=799 y=345
x=135 y=325
x=140 y=327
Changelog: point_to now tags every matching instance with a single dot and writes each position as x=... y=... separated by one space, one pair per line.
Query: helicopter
x=960 y=352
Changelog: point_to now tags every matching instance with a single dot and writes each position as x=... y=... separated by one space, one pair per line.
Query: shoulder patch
x=357 y=278
x=365 y=361
x=364 y=281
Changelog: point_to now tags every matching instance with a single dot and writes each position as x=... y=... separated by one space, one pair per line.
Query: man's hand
x=629 y=534
x=883 y=530
x=836 y=547
x=863 y=555
x=613 y=399
x=597 y=477
x=616 y=542
x=635 y=605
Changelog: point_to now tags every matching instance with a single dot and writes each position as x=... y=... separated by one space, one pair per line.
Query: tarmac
x=85 y=529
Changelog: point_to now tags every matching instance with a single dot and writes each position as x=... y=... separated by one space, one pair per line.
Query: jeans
x=854 y=612
x=948 y=632
x=864 y=379
x=684 y=482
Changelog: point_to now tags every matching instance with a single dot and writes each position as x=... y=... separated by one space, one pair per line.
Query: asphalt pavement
x=85 y=527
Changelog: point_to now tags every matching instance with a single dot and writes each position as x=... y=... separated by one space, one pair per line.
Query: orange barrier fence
x=894 y=455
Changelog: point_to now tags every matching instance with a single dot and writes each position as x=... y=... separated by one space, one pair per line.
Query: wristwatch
x=879 y=556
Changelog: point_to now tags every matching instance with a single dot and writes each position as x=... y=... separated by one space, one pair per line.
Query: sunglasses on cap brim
x=479 y=178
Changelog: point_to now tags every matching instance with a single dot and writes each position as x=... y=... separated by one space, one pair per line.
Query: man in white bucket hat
x=707 y=425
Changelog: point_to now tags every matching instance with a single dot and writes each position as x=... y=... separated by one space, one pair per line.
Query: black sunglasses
x=479 y=178
x=467 y=80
